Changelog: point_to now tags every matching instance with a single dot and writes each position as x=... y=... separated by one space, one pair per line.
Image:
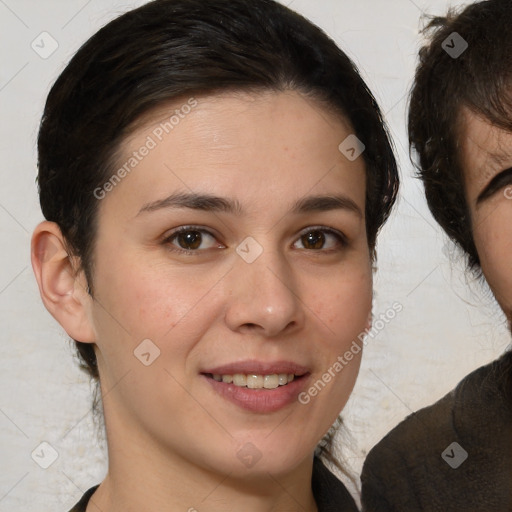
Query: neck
x=144 y=476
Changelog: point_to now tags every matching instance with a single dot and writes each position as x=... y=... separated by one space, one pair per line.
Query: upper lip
x=258 y=368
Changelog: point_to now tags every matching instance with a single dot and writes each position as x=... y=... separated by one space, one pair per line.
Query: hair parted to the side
x=480 y=79
x=167 y=50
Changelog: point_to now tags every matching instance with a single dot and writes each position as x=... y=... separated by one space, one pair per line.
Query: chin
x=257 y=459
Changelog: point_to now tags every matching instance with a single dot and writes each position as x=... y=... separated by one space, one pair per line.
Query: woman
x=213 y=175
x=456 y=455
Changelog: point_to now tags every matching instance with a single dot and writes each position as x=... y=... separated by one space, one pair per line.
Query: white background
x=449 y=324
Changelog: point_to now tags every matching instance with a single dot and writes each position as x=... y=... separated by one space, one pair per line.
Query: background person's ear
x=64 y=294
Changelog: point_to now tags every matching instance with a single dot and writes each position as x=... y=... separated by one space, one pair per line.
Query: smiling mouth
x=253 y=381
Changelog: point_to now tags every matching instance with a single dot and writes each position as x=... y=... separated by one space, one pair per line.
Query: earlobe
x=62 y=289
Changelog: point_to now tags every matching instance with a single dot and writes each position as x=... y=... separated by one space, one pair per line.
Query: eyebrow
x=500 y=180
x=212 y=203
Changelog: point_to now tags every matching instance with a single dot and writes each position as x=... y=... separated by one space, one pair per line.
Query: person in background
x=456 y=455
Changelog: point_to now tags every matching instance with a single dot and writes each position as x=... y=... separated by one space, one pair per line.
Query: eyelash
x=340 y=237
x=502 y=180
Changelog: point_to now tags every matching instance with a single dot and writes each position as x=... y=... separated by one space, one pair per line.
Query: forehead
x=485 y=148
x=245 y=145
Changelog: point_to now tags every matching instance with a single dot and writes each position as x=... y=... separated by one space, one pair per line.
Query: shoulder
x=458 y=449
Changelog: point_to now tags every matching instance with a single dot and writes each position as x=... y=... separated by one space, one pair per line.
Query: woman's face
x=487 y=164
x=235 y=245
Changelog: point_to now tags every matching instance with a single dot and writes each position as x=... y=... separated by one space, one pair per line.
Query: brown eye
x=189 y=239
x=326 y=239
x=313 y=240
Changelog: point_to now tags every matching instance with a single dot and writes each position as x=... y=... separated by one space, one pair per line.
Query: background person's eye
x=318 y=238
x=501 y=180
x=192 y=239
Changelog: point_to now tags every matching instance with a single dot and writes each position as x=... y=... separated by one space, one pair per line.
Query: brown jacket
x=454 y=456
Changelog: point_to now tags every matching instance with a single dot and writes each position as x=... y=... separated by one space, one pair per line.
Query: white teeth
x=253 y=381
x=283 y=379
x=239 y=379
x=271 y=381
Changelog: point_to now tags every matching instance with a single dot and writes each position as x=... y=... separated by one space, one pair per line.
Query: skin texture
x=486 y=155
x=172 y=440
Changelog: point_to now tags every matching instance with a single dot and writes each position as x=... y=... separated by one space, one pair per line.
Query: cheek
x=141 y=300
x=341 y=313
x=344 y=304
x=493 y=240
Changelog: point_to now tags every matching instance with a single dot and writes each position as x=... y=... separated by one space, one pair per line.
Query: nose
x=264 y=297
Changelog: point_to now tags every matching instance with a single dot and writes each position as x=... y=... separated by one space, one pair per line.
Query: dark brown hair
x=170 y=49
x=478 y=79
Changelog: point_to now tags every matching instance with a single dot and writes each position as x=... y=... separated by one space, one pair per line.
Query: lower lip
x=260 y=400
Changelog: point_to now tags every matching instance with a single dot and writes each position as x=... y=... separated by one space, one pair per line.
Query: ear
x=63 y=289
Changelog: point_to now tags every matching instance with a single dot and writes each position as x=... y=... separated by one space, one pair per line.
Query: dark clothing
x=330 y=494
x=82 y=504
x=417 y=468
